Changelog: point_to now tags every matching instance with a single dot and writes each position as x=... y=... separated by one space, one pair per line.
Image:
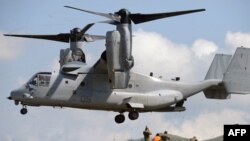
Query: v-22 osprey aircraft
x=110 y=84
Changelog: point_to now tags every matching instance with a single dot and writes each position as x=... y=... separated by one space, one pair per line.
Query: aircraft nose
x=10 y=98
x=16 y=94
x=20 y=94
x=13 y=94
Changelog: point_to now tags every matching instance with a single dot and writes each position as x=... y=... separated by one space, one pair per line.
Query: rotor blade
x=140 y=18
x=109 y=22
x=92 y=38
x=62 y=37
x=110 y=16
x=86 y=28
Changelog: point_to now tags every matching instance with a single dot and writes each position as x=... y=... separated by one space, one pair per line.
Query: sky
x=179 y=46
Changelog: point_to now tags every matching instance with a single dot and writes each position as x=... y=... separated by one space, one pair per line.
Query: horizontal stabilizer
x=216 y=92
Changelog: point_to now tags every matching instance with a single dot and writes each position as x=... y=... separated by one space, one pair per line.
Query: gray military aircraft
x=110 y=85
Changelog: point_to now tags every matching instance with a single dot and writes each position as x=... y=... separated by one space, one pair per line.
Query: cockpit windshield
x=41 y=79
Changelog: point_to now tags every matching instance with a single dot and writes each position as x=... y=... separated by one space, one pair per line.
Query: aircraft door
x=62 y=87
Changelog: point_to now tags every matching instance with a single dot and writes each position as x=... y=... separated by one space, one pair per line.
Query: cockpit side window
x=43 y=80
x=33 y=81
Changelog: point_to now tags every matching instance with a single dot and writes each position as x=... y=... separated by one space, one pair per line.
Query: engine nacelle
x=116 y=61
x=70 y=55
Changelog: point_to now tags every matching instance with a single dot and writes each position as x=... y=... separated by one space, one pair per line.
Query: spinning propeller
x=75 y=34
x=124 y=16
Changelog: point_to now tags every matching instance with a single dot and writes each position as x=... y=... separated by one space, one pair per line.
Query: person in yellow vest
x=157 y=137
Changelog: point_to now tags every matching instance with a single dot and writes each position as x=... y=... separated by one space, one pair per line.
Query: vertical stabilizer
x=218 y=66
x=216 y=71
x=237 y=76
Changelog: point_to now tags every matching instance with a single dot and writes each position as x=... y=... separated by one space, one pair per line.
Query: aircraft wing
x=101 y=65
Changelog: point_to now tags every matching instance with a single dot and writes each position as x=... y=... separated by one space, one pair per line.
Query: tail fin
x=216 y=71
x=218 y=66
x=234 y=72
x=237 y=76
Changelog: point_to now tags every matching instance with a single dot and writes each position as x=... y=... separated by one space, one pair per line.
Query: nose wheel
x=24 y=110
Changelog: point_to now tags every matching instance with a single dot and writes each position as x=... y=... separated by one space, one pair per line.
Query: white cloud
x=237 y=39
x=155 y=53
x=210 y=124
x=204 y=48
x=10 y=47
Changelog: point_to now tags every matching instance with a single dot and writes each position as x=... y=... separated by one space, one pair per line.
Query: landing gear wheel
x=133 y=115
x=23 y=111
x=119 y=118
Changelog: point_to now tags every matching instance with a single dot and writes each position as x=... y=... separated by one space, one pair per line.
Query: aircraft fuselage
x=92 y=90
